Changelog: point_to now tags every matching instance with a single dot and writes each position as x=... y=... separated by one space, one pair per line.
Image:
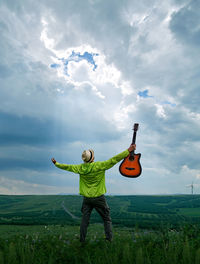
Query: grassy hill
x=145 y=211
x=51 y=234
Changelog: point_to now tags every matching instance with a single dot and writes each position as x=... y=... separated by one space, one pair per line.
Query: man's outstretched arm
x=105 y=165
x=72 y=168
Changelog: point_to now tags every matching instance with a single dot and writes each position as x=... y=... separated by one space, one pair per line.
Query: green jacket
x=92 y=175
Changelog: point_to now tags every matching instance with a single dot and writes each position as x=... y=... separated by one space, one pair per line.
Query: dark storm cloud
x=13 y=164
x=27 y=132
x=24 y=130
x=185 y=24
x=5 y=71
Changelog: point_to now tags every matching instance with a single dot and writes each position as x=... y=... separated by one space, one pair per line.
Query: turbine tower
x=192 y=187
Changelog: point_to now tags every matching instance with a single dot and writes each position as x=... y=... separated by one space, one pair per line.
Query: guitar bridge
x=130 y=168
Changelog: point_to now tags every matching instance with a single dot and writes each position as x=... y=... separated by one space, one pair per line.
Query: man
x=92 y=187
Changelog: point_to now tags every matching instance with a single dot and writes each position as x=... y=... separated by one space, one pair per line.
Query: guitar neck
x=134 y=137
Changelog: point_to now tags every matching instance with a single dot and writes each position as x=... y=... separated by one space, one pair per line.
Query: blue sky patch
x=169 y=103
x=89 y=57
x=144 y=94
x=55 y=65
x=77 y=56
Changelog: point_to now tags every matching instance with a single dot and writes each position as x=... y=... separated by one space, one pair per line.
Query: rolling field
x=148 y=212
x=147 y=230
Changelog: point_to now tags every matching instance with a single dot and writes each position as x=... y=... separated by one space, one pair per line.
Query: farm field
x=148 y=212
x=147 y=229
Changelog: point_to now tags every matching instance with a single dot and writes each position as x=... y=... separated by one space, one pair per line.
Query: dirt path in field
x=67 y=211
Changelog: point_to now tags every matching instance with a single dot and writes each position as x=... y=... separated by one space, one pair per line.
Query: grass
x=130 y=210
x=189 y=211
x=60 y=244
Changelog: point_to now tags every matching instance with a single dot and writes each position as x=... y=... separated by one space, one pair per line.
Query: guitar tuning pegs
x=136 y=125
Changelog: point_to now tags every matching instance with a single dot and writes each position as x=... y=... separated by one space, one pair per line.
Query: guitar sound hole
x=130 y=168
x=131 y=158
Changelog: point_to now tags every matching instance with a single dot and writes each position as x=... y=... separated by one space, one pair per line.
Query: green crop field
x=147 y=229
x=130 y=211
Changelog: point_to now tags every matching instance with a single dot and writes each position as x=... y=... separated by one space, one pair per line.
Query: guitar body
x=131 y=168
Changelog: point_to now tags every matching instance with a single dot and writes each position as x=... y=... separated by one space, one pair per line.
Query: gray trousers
x=101 y=206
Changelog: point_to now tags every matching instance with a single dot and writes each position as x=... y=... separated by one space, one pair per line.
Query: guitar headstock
x=136 y=126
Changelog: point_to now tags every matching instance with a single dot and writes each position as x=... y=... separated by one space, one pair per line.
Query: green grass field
x=44 y=229
x=60 y=244
x=148 y=212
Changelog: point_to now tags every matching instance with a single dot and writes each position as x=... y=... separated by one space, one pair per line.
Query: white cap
x=88 y=155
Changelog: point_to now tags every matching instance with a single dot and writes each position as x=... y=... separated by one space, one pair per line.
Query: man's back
x=92 y=175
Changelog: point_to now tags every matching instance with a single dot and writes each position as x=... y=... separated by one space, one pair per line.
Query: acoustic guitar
x=130 y=166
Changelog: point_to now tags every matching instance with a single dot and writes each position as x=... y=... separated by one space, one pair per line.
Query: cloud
x=21 y=187
x=24 y=130
x=185 y=24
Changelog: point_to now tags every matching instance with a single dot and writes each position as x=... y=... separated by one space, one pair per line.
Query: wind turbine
x=192 y=187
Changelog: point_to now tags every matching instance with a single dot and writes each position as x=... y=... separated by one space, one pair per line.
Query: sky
x=78 y=74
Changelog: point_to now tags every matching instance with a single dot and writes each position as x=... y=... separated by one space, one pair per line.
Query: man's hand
x=132 y=147
x=53 y=160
